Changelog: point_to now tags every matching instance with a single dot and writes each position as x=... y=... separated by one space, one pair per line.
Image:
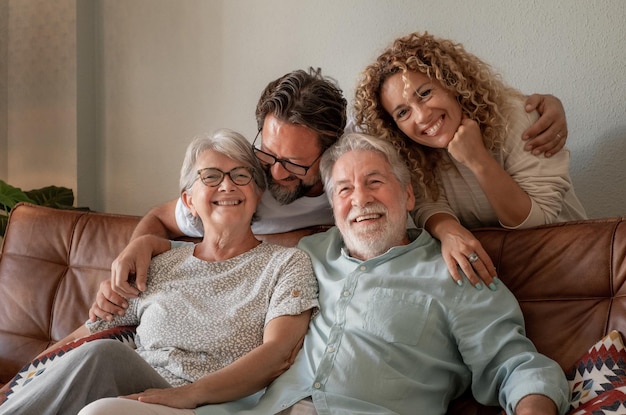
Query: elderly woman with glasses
x=218 y=321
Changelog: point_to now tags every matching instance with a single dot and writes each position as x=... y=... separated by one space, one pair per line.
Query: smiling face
x=422 y=109
x=369 y=203
x=297 y=144
x=225 y=204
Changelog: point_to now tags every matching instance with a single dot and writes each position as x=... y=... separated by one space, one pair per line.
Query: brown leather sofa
x=569 y=278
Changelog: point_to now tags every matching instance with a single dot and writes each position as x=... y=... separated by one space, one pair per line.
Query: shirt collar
x=414 y=235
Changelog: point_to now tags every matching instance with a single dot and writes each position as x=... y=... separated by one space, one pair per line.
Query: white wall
x=4 y=30
x=41 y=93
x=169 y=69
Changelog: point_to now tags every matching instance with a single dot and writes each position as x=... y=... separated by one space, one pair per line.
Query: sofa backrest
x=51 y=264
x=569 y=279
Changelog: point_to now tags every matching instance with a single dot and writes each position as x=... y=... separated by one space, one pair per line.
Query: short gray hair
x=359 y=141
x=224 y=141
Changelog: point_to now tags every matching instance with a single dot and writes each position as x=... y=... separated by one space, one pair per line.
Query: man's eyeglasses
x=269 y=160
x=212 y=177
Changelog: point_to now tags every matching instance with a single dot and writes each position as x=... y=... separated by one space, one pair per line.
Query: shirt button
x=295 y=293
x=331 y=349
x=363 y=268
x=317 y=385
x=346 y=293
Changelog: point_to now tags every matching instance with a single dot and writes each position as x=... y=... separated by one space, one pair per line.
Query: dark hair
x=308 y=99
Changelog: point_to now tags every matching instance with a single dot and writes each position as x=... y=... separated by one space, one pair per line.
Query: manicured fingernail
x=497 y=280
x=459 y=283
x=479 y=286
x=493 y=286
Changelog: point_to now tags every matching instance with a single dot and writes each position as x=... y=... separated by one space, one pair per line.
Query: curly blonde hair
x=480 y=92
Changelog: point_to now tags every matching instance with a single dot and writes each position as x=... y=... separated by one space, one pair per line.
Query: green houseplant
x=51 y=196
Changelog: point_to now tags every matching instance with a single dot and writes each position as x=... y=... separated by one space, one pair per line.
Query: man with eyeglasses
x=299 y=116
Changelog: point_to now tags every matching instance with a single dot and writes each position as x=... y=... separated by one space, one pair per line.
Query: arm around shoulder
x=548 y=134
x=159 y=221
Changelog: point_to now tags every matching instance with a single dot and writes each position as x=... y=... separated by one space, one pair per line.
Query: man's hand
x=549 y=133
x=131 y=265
x=536 y=405
x=108 y=303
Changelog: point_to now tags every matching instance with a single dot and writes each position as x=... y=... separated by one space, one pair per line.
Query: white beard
x=372 y=240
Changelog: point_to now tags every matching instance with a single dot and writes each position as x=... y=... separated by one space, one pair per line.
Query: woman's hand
x=467 y=145
x=548 y=134
x=182 y=397
x=461 y=250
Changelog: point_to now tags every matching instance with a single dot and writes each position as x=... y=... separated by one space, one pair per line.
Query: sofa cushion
x=608 y=403
x=598 y=379
x=38 y=365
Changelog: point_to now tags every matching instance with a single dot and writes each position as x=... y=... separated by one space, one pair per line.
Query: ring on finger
x=473 y=257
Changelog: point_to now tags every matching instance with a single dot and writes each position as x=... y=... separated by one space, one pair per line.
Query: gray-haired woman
x=219 y=320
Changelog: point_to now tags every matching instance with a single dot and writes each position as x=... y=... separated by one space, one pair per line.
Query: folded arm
x=505 y=366
x=282 y=339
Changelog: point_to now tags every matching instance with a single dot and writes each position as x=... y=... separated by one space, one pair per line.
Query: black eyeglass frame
x=237 y=182
x=300 y=170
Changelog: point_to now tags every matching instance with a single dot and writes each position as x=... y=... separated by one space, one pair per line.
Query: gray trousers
x=98 y=369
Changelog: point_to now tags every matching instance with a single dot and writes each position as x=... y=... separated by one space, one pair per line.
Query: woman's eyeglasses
x=212 y=177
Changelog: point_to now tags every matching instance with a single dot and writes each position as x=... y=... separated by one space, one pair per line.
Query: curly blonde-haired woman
x=459 y=126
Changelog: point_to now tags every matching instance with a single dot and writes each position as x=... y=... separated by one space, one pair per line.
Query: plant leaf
x=4 y=221
x=52 y=196
x=10 y=196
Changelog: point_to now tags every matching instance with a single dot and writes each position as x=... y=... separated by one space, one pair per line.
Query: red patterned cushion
x=37 y=366
x=598 y=379
x=608 y=403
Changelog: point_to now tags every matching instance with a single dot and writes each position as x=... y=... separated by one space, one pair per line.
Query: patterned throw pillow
x=598 y=379
x=37 y=366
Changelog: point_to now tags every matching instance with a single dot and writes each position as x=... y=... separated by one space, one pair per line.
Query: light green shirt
x=396 y=335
